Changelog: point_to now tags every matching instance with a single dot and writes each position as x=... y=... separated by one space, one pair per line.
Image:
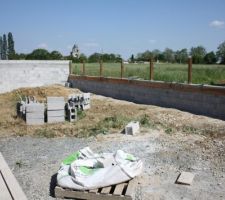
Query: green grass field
x=201 y=74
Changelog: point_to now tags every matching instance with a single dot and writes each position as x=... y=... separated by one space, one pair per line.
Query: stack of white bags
x=85 y=170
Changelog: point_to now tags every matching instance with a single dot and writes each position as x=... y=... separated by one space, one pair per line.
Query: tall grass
x=201 y=74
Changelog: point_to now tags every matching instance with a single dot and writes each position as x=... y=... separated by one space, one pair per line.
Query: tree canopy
x=181 y=56
x=4 y=48
x=221 y=52
x=38 y=54
x=1 y=49
x=169 y=55
x=55 y=55
x=11 y=50
x=198 y=53
x=7 y=50
x=210 y=58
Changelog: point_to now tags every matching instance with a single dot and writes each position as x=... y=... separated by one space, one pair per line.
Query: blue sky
x=119 y=26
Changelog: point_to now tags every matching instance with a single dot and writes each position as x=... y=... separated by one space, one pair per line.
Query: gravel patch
x=35 y=161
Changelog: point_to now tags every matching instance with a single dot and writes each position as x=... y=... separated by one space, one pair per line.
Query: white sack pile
x=85 y=170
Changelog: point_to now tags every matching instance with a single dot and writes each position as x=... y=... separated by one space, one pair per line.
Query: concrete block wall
x=198 y=99
x=23 y=73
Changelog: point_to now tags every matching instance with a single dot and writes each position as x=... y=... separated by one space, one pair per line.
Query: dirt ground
x=106 y=115
x=170 y=141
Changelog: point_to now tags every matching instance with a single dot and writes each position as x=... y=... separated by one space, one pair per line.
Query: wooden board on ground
x=123 y=191
x=9 y=187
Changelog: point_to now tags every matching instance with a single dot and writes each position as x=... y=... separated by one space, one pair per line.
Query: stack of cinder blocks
x=35 y=113
x=77 y=102
x=80 y=101
x=31 y=111
x=21 y=109
x=55 y=109
x=71 y=111
x=85 y=104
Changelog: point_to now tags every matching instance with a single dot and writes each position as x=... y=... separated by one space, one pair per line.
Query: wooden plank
x=106 y=190
x=13 y=185
x=119 y=189
x=131 y=187
x=63 y=193
x=4 y=192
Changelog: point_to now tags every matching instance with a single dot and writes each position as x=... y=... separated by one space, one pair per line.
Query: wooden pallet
x=9 y=187
x=121 y=191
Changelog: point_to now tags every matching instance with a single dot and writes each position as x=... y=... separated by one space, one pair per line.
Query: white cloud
x=91 y=44
x=43 y=45
x=152 y=41
x=217 y=24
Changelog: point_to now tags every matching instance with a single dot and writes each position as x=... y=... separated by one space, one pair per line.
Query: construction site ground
x=170 y=141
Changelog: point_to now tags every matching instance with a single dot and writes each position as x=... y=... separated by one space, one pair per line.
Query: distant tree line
x=96 y=57
x=199 y=55
x=7 y=50
x=43 y=54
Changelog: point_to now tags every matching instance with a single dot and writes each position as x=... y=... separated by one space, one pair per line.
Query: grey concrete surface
x=23 y=73
x=35 y=161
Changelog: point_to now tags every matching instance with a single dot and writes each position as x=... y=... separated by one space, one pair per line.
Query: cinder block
x=86 y=107
x=132 y=128
x=56 y=119
x=67 y=84
x=185 y=178
x=39 y=121
x=55 y=99
x=55 y=113
x=56 y=106
x=35 y=115
x=35 y=107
